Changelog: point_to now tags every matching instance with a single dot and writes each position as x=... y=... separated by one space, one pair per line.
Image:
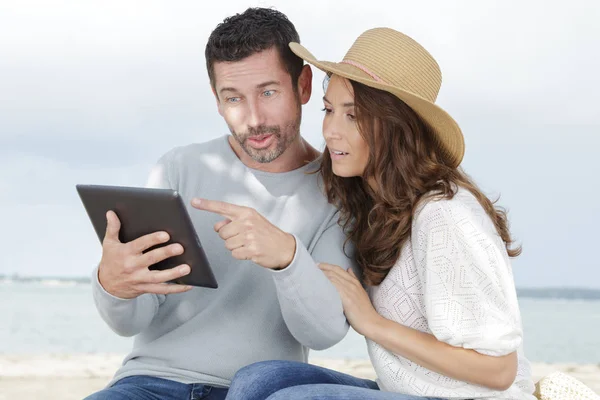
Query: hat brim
x=445 y=128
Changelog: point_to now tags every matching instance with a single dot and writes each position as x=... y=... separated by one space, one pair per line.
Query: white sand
x=74 y=376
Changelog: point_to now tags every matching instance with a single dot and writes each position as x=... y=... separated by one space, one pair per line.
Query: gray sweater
x=206 y=335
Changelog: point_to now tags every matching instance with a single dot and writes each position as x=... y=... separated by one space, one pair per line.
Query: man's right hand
x=123 y=270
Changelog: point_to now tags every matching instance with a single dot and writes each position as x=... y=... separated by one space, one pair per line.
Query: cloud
x=108 y=69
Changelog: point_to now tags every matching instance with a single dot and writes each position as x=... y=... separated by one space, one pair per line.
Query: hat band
x=364 y=69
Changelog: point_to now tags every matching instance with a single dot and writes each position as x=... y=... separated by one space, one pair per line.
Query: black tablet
x=143 y=211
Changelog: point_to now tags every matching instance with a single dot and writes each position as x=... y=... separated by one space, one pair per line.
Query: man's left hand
x=249 y=235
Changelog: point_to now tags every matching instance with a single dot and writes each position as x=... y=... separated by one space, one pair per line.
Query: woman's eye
x=327 y=110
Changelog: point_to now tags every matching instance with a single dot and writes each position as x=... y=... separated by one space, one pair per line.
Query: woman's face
x=348 y=150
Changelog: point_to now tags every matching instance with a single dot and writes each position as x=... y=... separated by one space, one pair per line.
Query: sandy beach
x=74 y=376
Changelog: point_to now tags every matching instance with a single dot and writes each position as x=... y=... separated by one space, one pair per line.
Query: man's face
x=259 y=104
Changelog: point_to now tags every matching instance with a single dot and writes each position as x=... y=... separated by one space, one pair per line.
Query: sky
x=96 y=91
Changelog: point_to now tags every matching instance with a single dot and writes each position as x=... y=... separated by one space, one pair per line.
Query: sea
x=56 y=316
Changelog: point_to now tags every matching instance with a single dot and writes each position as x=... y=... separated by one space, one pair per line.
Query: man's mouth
x=260 y=141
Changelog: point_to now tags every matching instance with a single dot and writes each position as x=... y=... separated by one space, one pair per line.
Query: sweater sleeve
x=468 y=289
x=128 y=317
x=310 y=304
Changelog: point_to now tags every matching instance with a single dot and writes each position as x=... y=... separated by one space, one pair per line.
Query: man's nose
x=256 y=116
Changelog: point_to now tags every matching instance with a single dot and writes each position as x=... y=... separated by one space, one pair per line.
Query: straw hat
x=386 y=59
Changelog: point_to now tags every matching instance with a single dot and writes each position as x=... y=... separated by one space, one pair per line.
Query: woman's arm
x=494 y=372
x=466 y=365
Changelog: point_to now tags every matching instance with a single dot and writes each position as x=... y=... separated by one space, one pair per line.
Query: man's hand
x=249 y=235
x=123 y=270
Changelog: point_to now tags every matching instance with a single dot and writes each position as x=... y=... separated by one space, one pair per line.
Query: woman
x=441 y=316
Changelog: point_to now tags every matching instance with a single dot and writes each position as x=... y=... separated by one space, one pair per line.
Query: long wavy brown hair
x=407 y=167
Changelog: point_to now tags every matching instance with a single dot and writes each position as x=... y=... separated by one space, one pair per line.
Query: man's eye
x=233 y=99
x=268 y=93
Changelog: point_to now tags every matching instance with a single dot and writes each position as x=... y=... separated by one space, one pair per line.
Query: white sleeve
x=469 y=294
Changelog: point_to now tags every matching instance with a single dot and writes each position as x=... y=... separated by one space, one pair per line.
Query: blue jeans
x=151 y=388
x=290 y=380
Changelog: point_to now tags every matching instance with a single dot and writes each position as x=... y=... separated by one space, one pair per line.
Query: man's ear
x=217 y=99
x=305 y=84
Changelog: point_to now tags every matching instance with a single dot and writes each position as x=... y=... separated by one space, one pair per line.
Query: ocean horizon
x=549 y=292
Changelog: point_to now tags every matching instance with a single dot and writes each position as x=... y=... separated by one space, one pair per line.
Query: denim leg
x=259 y=380
x=144 y=388
x=205 y=392
x=337 y=392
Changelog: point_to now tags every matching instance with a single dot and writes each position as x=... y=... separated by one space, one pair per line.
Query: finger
x=221 y=224
x=228 y=210
x=351 y=282
x=242 y=253
x=167 y=274
x=334 y=269
x=160 y=254
x=353 y=275
x=340 y=285
x=113 y=225
x=230 y=230
x=345 y=275
x=330 y=267
x=143 y=243
x=333 y=278
x=164 y=288
x=235 y=242
x=344 y=287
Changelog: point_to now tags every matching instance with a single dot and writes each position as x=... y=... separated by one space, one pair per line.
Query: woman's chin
x=343 y=172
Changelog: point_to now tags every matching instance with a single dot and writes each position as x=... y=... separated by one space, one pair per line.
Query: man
x=273 y=225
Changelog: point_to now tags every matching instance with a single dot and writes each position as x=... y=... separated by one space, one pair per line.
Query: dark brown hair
x=254 y=30
x=407 y=166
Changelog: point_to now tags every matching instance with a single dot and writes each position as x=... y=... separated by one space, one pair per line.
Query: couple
x=293 y=236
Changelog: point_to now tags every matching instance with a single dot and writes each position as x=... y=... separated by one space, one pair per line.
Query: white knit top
x=454 y=280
